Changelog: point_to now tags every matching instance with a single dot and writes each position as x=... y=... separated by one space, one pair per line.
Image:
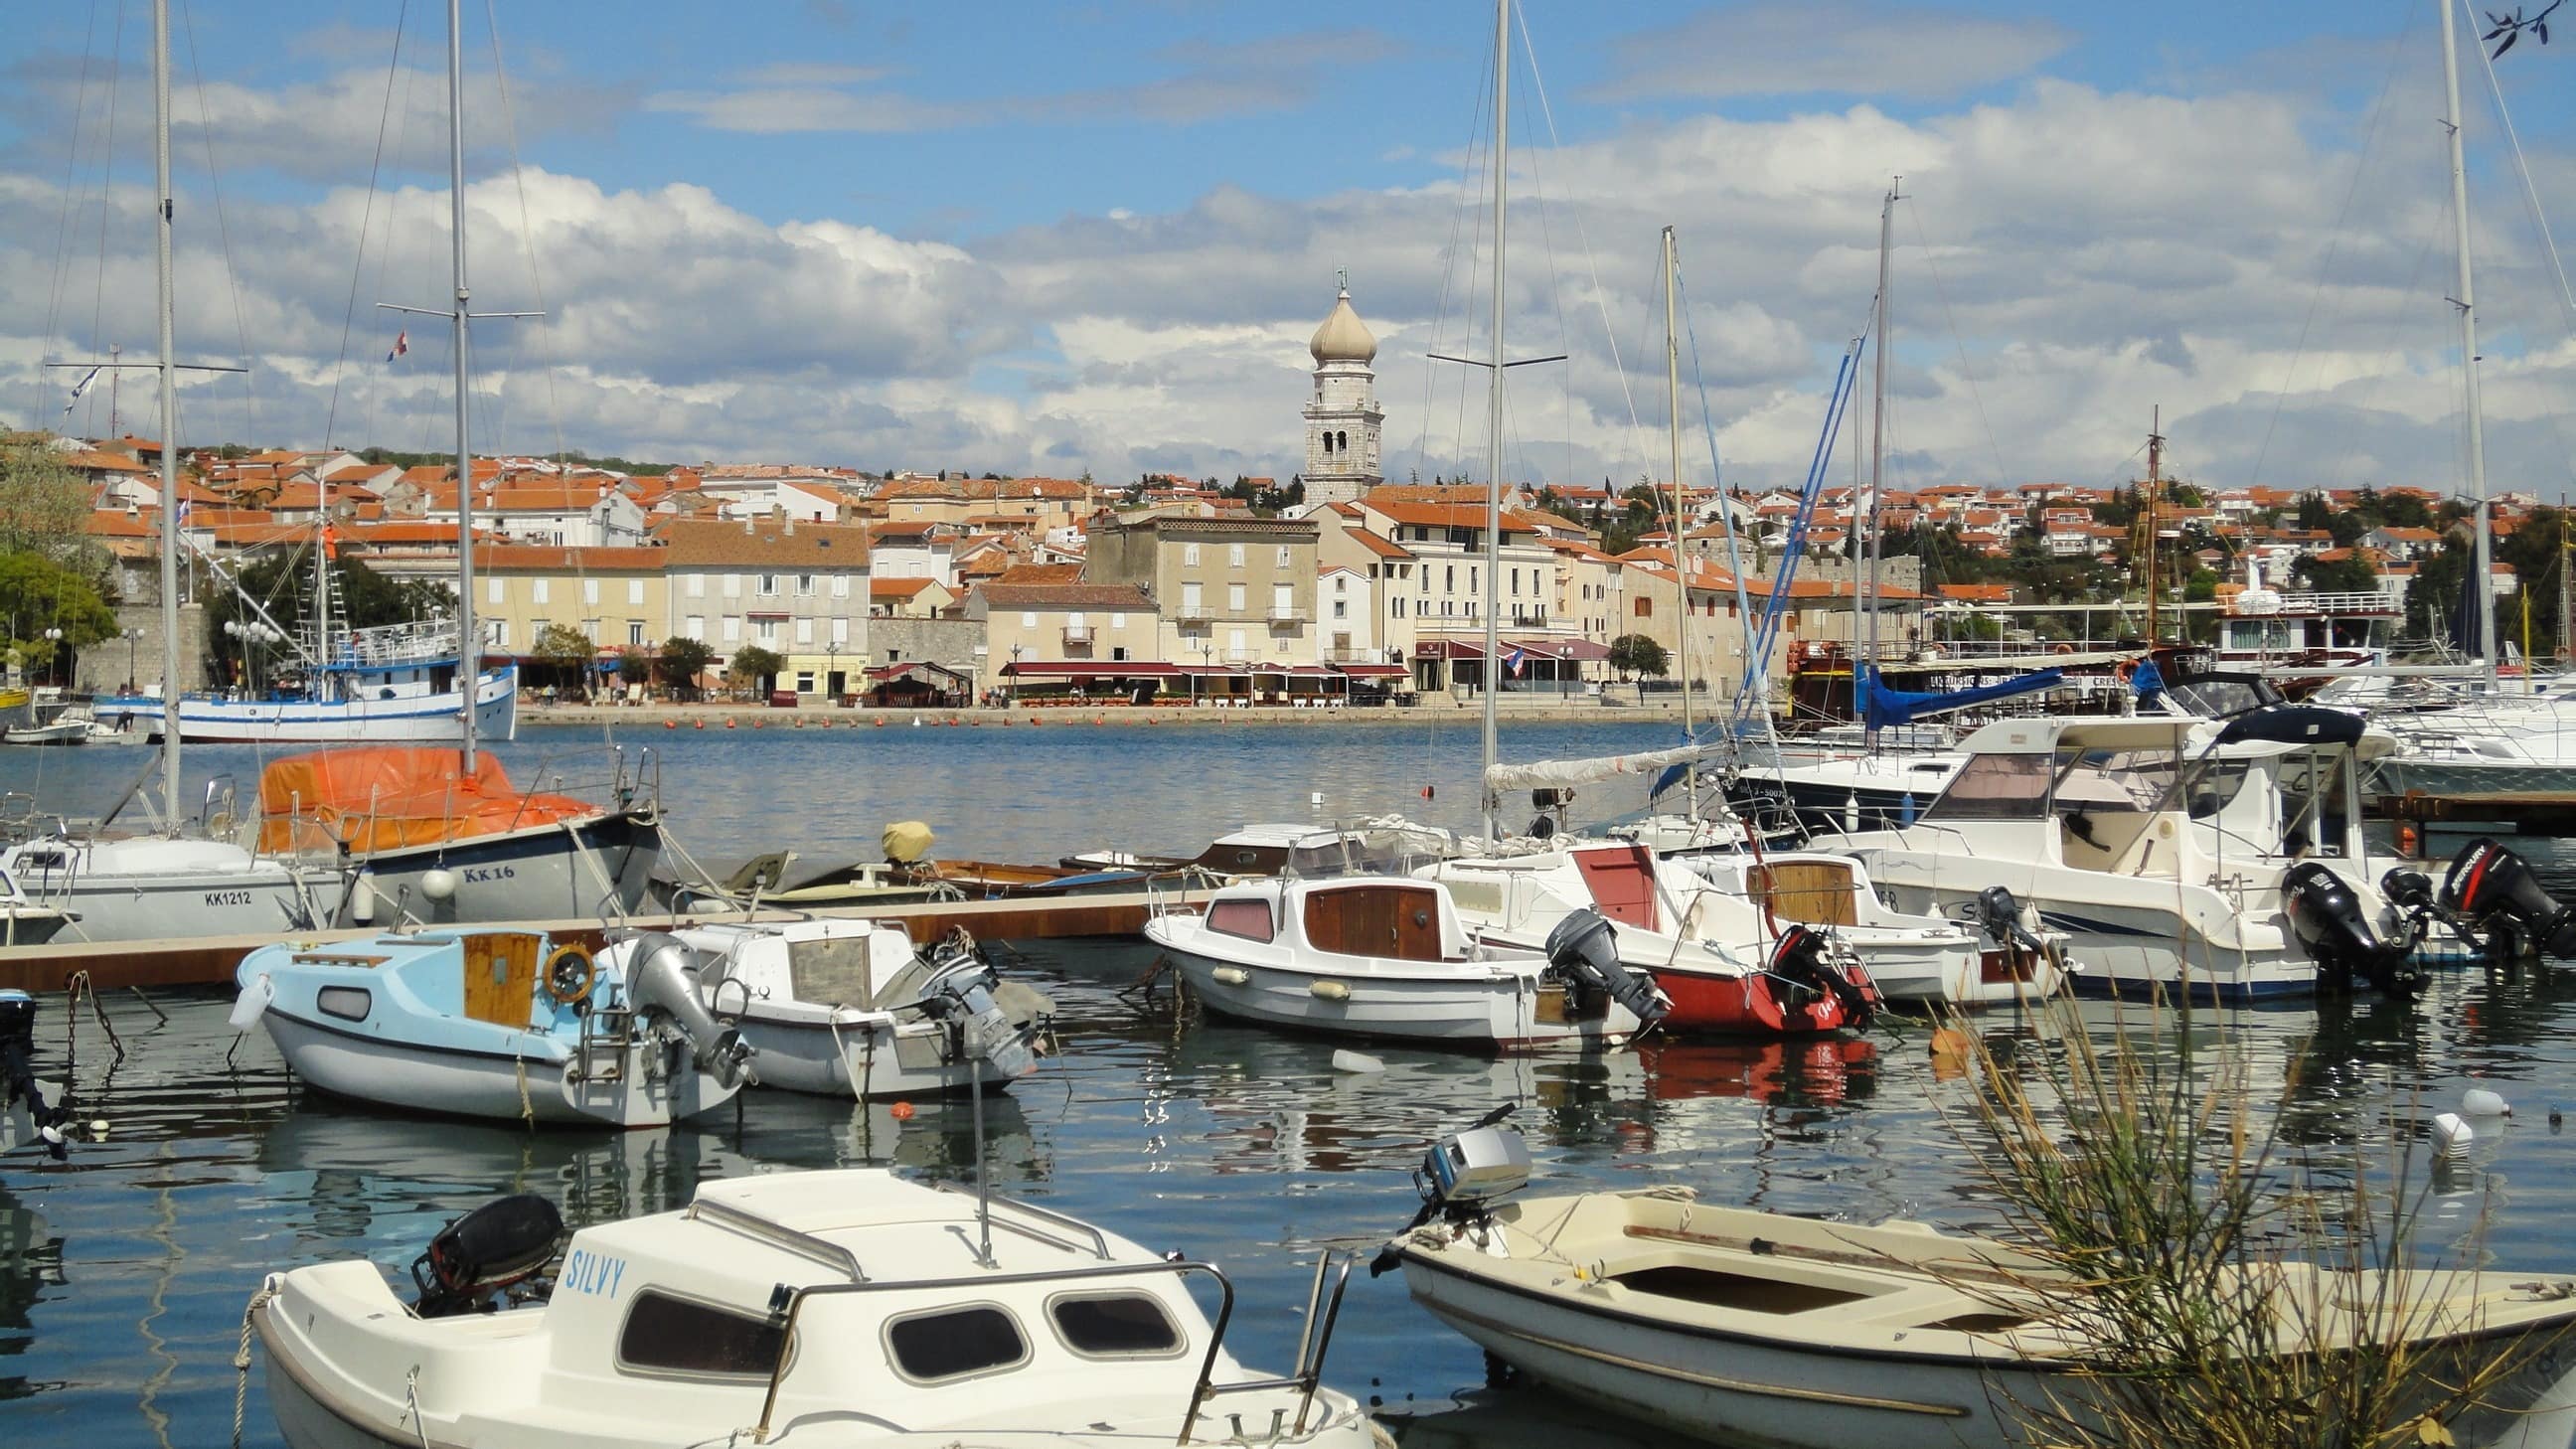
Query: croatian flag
x=1514 y=660
x=402 y=344
x=80 y=387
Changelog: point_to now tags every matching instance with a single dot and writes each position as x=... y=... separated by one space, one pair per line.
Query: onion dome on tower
x=1343 y=337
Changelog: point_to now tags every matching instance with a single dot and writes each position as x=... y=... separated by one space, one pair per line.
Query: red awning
x=1447 y=649
x=1215 y=671
x=1375 y=671
x=1089 y=669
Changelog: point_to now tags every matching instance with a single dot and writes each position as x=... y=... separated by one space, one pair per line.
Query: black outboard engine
x=495 y=1247
x=18 y=1072
x=1585 y=950
x=1999 y=916
x=1801 y=958
x=2491 y=888
x=963 y=997
x=2327 y=914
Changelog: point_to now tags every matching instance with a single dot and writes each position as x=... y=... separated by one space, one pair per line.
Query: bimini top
x=2046 y=734
x=2294 y=724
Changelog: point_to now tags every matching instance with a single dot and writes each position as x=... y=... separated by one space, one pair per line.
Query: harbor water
x=123 y=1274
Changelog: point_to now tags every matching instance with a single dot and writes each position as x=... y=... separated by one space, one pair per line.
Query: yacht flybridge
x=810 y=1308
x=2223 y=859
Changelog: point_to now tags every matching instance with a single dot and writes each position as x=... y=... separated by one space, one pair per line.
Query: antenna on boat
x=983 y=1170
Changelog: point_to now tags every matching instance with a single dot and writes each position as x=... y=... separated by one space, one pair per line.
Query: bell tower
x=1342 y=419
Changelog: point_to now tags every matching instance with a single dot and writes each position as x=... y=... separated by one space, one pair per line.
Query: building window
x=1283 y=555
x=1448 y=578
x=1189 y=555
x=500 y=635
x=1117 y=621
x=634 y=633
x=1028 y=621
x=804 y=681
x=634 y=591
x=840 y=586
x=590 y=591
x=1234 y=644
x=1645 y=607
x=537 y=592
x=804 y=632
x=696 y=588
x=840 y=631
x=805 y=586
x=494 y=591
x=732 y=629
x=1234 y=555
x=1234 y=598
x=767 y=629
x=590 y=630
x=768 y=586
x=1341 y=608
x=733 y=586
x=1118 y=651
x=695 y=626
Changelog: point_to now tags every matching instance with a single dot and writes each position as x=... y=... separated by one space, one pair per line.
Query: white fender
x=253 y=1004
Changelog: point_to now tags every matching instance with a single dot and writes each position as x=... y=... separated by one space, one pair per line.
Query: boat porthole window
x=955 y=1343
x=669 y=1334
x=349 y=1003
x=1114 y=1325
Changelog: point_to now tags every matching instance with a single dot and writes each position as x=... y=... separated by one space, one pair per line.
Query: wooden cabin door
x=1809 y=892
x=1396 y=921
x=501 y=976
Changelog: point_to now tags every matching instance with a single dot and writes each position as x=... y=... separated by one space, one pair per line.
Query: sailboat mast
x=2466 y=303
x=1681 y=558
x=169 y=419
x=2155 y=489
x=1494 y=400
x=469 y=643
x=1877 y=457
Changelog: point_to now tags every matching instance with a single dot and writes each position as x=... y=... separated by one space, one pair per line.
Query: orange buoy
x=701 y=724
x=670 y=724
x=854 y=724
x=729 y=723
x=900 y=1111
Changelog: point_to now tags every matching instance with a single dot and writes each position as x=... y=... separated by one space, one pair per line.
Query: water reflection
x=31 y=1260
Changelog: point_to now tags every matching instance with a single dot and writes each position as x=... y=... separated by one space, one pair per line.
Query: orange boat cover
x=386 y=797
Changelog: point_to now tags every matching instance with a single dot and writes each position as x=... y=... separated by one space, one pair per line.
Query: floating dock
x=209 y=961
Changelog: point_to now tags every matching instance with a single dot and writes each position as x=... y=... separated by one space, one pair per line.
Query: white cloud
x=1771 y=50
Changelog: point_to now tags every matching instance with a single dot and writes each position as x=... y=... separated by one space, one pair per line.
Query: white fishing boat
x=494 y=1023
x=2176 y=856
x=851 y=1008
x=1379 y=957
x=1752 y=1327
x=391 y=684
x=832 y=1308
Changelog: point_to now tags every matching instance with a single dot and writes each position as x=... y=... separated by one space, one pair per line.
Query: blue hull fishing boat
x=494 y=1023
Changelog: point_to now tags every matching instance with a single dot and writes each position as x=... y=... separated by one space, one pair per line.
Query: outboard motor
x=1999 y=916
x=984 y=1030
x=1463 y=1174
x=1801 y=958
x=2328 y=916
x=1585 y=950
x=18 y=1072
x=657 y=975
x=2491 y=888
x=495 y=1247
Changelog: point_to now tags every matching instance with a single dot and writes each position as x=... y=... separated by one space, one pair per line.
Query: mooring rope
x=241 y=1355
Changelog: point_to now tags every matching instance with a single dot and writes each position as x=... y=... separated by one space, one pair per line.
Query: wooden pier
x=210 y=961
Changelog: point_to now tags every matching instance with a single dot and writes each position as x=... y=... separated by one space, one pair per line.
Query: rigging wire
x=223 y=227
x=63 y=219
x=1950 y=319
x=1449 y=272
x=2343 y=214
x=542 y=324
x=107 y=204
x=2539 y=218
x=366 y=220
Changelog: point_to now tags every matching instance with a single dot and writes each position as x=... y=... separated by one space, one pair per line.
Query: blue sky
x=1057 y=237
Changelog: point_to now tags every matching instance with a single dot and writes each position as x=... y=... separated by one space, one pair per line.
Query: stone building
x=1343 y=419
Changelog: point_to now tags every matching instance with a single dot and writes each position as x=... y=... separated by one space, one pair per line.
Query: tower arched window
x=1328 y=443
x=1342 y=443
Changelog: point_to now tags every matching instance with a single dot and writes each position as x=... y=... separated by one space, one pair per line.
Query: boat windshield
x=2030 y=787
x=1996 y=787
x=2113 y=780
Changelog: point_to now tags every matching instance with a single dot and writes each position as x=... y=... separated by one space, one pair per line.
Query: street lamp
x=53 y=656
x=132 y=636
x=1207 y=657
x=831 y=666
x=1013 y=697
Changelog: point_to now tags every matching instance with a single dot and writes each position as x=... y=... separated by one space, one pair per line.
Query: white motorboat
x=2176 y=855
x=64 y=729
x=495 y=1023
x=851 y=1008
x=1379 y=957
x=829 y=1308
x=1719 y=966
x=1755 y=1327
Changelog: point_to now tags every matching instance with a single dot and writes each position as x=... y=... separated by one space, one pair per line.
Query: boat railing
x=778 y=1235
x=1306 y=1379
x=1099 y=1240
x=418 y=642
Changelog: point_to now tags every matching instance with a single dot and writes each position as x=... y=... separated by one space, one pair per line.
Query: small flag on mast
x=402 y=344
x=1514 y=660
x=80 y=387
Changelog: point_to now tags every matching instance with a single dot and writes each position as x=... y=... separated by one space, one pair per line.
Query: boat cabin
x=807 y=967
x=2117 y=795
x=1377 y=919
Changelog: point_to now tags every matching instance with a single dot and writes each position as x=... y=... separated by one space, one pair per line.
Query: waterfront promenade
x=1432 y=709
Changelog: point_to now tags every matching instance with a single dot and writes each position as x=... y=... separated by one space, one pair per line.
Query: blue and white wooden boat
x=493 y=1023
x=396 y=684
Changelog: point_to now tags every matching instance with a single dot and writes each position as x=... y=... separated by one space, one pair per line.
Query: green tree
x=2351 y=574
x=567 y=651
x=754 y=667
x=1638 y=654
x=37 y=594
x=681 y=661
x=283 y=585
x=44 y=505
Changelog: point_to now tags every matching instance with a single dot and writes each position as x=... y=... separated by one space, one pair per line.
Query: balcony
x=1191 y=613
x=1289 y=616
x=1077 y=634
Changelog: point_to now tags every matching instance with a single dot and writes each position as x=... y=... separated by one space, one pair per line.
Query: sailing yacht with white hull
x=165 y=886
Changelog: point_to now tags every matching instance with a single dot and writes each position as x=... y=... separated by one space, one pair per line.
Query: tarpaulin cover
x=387 y=797
x=1576 y=772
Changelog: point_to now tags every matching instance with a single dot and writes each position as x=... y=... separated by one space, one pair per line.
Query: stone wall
x=947 y=642
x=102 y=668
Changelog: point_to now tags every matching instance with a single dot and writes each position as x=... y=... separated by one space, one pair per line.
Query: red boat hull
x=1751 y=1005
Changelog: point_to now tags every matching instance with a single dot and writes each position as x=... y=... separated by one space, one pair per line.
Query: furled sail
x=1889 y=708
x=1576 y=772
